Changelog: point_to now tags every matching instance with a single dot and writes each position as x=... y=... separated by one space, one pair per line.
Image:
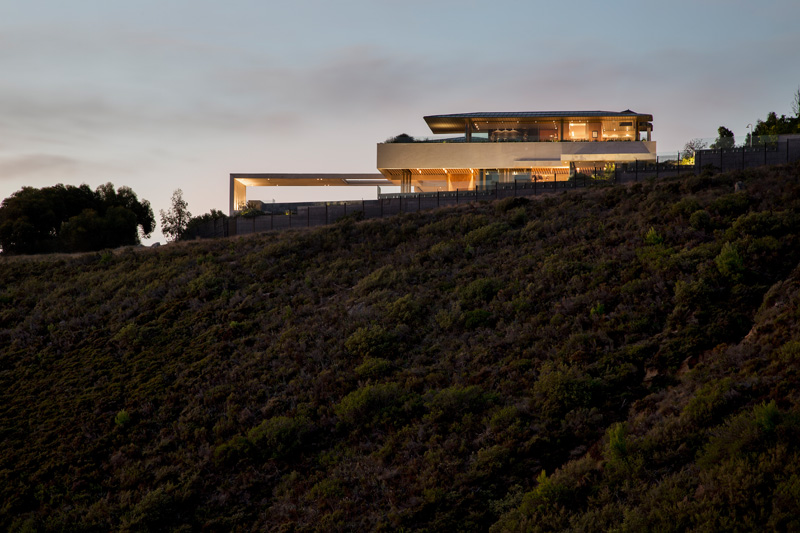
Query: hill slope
x=623 y=357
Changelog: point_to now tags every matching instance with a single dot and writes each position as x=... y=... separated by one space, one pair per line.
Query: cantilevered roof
x=455 y=123
x=266 y=180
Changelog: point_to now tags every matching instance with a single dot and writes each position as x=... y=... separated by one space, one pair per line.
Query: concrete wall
x=507 y=155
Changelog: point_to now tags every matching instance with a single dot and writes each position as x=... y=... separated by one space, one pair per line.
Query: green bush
x=733 y=204
x=280 y=436
x=478 y=318
x=478 y=291
x=378 y=404
x=371 y=341
x=373 y=368
x=700 y=220
x=729 y=263
x=685 y=207
x=562 y=388
x=486 y=235
x=450 y=403
x=511 y=204
x=122 y=419
x=405 y=310
x=653 y=237
x=232 y=451
x=709 y=401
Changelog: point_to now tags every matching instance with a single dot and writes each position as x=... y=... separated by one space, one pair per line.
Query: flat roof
x=321 y=179
x=456 y=122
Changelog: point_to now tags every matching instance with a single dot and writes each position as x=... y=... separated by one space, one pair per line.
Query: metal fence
x=393 y=204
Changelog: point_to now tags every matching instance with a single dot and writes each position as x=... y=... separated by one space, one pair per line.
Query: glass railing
x=445 y=140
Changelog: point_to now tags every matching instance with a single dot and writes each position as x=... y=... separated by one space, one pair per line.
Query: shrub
x=617 y=445
x=518 y=217
x=561 y=388
x=479 y=290
x=652 y=237
x=512 y=203
x=740 y=434
x=122 y=419
x=373 y=368
x=232 y=451
x=700 y=220
x=731 y=204
x=382 y=403
x=404 y=310
x=729 y=263
x=448 y=404
x=486 y=234
x=280 y=436
x=478 y=318
x=370 y=341
x=685 y=207
x=709 y=400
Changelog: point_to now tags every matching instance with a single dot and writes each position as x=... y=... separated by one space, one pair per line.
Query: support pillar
x=405 y=181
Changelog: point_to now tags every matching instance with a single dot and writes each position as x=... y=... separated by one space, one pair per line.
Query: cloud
x=37 y=164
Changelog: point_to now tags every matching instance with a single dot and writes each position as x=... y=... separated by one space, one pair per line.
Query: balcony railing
x=447 y=140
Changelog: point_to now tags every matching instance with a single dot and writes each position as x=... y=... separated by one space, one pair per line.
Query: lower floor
x=452 y=179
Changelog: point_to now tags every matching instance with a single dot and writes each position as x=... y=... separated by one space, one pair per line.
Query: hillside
x=620 y=357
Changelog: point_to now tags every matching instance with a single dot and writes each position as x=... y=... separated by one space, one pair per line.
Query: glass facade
x=589 y=130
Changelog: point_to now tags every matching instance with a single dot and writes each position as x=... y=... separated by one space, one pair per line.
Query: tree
x=175 y=221
x=695 y=145
x=402 y=138
x=70 y=219
x=796 y=102
x=725 y=139
x=195 y=223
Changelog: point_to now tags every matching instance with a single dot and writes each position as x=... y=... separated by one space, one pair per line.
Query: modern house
x=507 y=147
x=490 y=148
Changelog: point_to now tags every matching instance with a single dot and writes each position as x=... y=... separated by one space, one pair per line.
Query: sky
x=168 y=94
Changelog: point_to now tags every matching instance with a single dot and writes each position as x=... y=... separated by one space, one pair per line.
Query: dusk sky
x=179 y=94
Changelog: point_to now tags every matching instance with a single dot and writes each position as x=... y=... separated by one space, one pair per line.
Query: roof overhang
x=457 y=123
x=310 y=180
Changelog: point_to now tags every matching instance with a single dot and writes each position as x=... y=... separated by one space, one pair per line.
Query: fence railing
x=393 y=204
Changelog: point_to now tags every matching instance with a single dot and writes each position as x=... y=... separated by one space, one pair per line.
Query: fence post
x=419 y=202
x=515 y=189
x=326 y=214
x=438 y=204
x=496 y=185
x=456 y=196
x=363 y=208
x=656 y=166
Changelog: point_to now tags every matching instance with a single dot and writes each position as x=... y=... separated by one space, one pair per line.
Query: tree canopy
x=175 y=221
x=777 y=126
x=725 y=139
x=65 y=218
